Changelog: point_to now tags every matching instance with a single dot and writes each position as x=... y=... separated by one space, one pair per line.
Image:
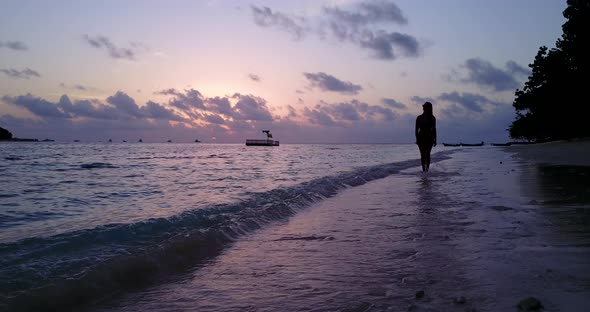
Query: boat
x=197 y=141
x=140 y=141
x=169 y=141
x=475 y=144
x=451 y=144
x=501 y=144
x=521 y=143
x=267 y=142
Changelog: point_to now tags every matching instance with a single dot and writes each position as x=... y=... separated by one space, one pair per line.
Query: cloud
x=346 y=122
x=88 y=109
x=157 y=111
x=254 y=77
x=292 y=112
x=485 y=75
x=393 y=103
x=319 y=117
x=124 y=103
x=78 y=87
x=26 y=73
x=470 y=101
x=265 y=17
x=120 y=107
x=36 y=105
x=215 y=119
x=189 y=102
x=14 y=45
x=383 y=45
x=344 y=113
x=220 y=105
x=421 y=100
x=250 y=107
x=102 y=42
x=514 y=68
x=363 y=24
x=370 y=12
x=327 y=82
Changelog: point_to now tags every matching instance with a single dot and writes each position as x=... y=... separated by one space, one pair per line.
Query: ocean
x=204 y=227
x=79 y=222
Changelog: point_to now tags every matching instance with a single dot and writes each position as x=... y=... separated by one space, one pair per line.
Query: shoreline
x=573 y=153
x=477 y=232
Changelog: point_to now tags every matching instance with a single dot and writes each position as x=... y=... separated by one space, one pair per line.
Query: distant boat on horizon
x=140 y=141
x=169 y=141
x=197 y=141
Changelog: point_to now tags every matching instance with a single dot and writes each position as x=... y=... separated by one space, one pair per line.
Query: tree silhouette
x=5 y=134
x=552 y=104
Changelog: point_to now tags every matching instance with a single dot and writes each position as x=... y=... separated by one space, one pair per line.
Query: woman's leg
x=427 y=149
x=422 y=148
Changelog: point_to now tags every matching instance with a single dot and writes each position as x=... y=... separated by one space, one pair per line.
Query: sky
x=311 y=71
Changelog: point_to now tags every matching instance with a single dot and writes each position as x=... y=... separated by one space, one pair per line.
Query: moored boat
x=267 y=142
x=475 y=144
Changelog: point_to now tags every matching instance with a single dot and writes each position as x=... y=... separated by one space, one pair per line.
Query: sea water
x=481 y=231
x=202 y=227
x=81 y=221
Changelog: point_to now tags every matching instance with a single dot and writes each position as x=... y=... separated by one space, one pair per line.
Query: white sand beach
x=480 y=232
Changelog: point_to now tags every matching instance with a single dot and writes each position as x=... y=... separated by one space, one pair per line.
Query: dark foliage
x=552 y=104
x=5 y=134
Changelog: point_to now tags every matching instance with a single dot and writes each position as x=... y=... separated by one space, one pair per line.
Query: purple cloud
x=102 y=42
x=470 y=101
x=266 y=17
x=37 y=106
x=327 y=82
x=341 y=114
x=124 y=103
x=360 y=24
x=421 y=100
x=220 y=105
x=393 y=103
x=487 y=76
x=157 y=111
x=214 y=119
x=254 y=77
x=14 y=45
x=250 y=107
x=78 y=87
x=26 y=73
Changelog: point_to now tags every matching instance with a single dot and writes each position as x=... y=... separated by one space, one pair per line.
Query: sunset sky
x=311 y=71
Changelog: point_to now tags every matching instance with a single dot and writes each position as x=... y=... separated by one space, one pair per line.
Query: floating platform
x=262 y=143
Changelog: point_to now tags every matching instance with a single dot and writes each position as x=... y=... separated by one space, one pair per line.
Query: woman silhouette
x=426 y=134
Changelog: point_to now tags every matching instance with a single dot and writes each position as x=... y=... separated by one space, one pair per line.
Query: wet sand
x=480 y=232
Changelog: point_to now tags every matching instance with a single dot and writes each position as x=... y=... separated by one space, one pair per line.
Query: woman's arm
x=434 y=129
x=416 y=129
